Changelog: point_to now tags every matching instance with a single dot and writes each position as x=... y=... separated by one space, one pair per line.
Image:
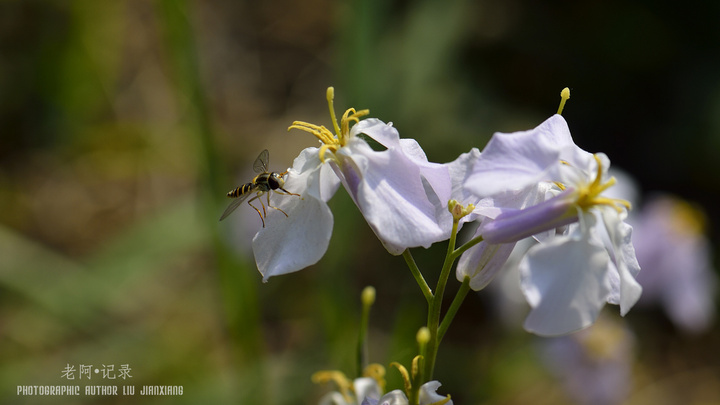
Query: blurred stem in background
x=237 y=280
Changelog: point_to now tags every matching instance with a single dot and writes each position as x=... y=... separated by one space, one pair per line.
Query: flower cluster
x=532 y=184
x=368 y=390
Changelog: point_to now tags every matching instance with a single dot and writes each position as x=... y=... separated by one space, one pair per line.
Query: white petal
x=625 y=261
x=333 y=398
x=428 y=395
x=435 y=174
x=291 y=243
x=482 y=262
x=383 y=133
x=390 y=193
x=458 y=172
x=395 y=397
x=366 y=387
x=565 y=282
x=517 y=160
x=460 y=169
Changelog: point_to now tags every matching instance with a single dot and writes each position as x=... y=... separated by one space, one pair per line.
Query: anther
x=564 y=96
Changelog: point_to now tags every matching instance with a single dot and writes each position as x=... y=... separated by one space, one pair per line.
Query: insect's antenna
x=283 y=173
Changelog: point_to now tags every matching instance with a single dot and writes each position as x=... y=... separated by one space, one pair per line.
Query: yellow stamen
x=330 y=96
x=564 y=96
x=323 y=149
x=416 y=365
x=320 y=132
x=442 y=401
x=377 y=373
x=405 y=375
x=350 y=116
x=340 y=138
x=343 y=383
x=589 y=195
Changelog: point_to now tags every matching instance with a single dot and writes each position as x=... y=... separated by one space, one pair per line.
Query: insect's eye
x=275 y=181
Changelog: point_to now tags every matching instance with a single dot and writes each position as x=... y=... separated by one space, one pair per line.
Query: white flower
x=393 y=189
x=595 y=364
x=568 y=278
x=427 y=396
x=350 y=393
x=291 y=243
x=368 y=390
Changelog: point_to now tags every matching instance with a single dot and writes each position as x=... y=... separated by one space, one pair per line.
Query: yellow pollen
x=458 y=210
x=589 y=195
x=332 y=141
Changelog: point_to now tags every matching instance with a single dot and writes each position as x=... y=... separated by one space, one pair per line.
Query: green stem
x=450 y=315
x=424 y=287
x=362 y=347
x=472 y=242
x=435 y=306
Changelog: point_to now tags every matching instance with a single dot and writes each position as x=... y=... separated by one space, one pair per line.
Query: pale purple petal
x=677 y=262
x=513 y=225
x=384 y=134
x=518 y=160
x=388 y=189
x=434 y=173
x=291 y=243
x=482 y=262
x=595 y=364
x=565 y=282
x=458 y=171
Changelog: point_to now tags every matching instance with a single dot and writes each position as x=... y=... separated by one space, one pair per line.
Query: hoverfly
x=263 y=183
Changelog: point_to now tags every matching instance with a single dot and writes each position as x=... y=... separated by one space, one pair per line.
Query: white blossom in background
x=350 y=392
x=594 y=365
x=676 y=259
x=427 y=396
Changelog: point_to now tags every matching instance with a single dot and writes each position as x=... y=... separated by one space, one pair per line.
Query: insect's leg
x=271 y=206
x=285 y=192
x=255 y=208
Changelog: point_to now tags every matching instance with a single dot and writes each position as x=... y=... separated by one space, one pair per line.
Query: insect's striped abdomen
x=245 y=188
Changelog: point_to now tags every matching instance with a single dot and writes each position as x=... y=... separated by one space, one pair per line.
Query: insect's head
x=276 y=181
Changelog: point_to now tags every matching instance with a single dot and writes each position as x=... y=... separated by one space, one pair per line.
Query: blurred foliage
x=122 y=124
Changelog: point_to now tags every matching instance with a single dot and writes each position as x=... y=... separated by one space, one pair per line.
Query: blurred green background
x=123 y=124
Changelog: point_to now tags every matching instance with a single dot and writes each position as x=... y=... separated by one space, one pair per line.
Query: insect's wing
x=262 y=162
x=236 y=203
